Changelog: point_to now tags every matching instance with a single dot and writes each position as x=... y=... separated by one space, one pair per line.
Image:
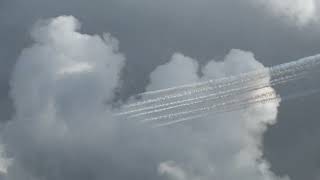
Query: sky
x=60 y=60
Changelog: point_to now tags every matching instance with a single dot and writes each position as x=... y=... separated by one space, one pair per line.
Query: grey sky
x=149 y=33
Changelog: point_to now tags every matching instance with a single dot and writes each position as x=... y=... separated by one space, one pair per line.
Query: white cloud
x=5 y=162
x=300 y=11
x=229 y=145
x=63 y=128
x=171 y=170
x=181 y=70
x=59 y=89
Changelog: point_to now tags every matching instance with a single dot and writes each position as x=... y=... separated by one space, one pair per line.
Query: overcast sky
x=148 y=34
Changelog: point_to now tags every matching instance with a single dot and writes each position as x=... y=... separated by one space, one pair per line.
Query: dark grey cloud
x=151 y=31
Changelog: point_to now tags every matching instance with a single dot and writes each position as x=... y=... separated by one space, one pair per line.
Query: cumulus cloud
x=59 y=88
x=5 y=162
x=232 y=141
x=171 y=170
x=180 y=70
x=300 y=11
x=63 y=128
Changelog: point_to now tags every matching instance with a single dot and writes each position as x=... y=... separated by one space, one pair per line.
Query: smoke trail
x=301 y=64
x=273 y=99
x=210 y=109
x=278 y=98
x=221 y=105
x=304 y=64
x=209 y=86
x=229 y=109
x=213 y=107
x=214 y=96
x=166 y=97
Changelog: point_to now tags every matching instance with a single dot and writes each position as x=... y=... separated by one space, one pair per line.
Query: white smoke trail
x=209 y=86
x=213 y=96
x=265 y=95
x=278 y=98
x=166 y=97
x=229 y=109
x=226 y=104
x=273 y=99
x=275 y=70
x=304 y=64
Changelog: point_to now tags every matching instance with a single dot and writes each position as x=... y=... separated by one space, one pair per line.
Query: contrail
x=172 y=96
x=213 y=96
x=274 y=99
x=300 y=65
x=208 y=87
x=229 y=93
x=235 y=77
x=212 y=109
x=204 y=83
x=229 y=104
x=309 y=61
x=265 y=95
x=286 y=98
